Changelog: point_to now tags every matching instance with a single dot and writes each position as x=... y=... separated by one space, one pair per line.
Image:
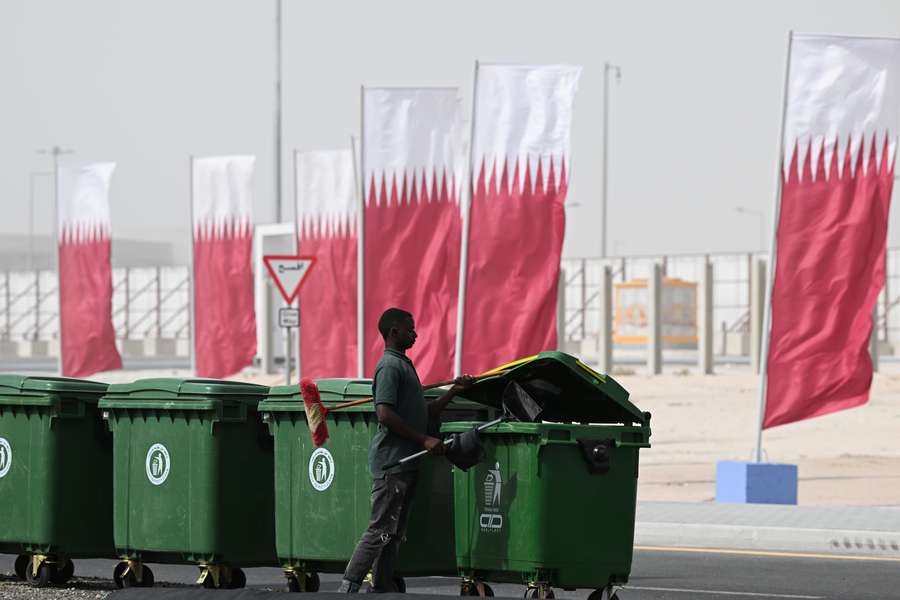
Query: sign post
x=289 y=273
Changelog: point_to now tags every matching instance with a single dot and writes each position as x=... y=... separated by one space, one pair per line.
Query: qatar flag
x=412 y=165
x=87 y=337
x=521 y=165
x=840 y=128
x=222 y=215
x=327 y=209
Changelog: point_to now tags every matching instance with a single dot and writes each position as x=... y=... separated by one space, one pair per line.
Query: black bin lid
x=568 y=390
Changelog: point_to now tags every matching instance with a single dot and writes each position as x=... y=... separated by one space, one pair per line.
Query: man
x=403 y=417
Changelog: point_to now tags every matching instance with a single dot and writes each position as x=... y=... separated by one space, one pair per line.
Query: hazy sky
x=693 y=125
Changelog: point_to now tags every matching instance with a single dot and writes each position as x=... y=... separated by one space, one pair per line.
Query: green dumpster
x=553 y=503
x=55 y=475
x=322 y=495
x=193 y=478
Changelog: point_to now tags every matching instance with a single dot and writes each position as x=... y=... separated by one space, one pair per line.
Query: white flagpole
x=192 y=306
x=466 y=209
x=360 y=237
x=55 y=152
x=59 y=354
x=770 y=274
x=296 y=251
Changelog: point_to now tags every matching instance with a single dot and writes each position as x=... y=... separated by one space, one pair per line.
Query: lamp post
x=32 y=178
x=607 y=69
x=762 y=223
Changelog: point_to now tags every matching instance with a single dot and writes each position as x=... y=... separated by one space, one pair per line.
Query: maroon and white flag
x=840 y=136
x=520 y=154
x=327 y=209
x=413 y=160
x=87 y=337
x=222 y=214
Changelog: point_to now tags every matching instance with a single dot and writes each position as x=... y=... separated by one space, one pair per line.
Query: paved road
x=656 y=575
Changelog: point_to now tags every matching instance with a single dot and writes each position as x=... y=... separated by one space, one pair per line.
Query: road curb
x=778 y=539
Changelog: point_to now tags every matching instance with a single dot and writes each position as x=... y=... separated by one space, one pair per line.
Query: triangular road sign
x=289 y=272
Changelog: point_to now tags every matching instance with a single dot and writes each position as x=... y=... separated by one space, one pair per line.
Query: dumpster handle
x=616 y=443
x=631 y=444
x=447 y=443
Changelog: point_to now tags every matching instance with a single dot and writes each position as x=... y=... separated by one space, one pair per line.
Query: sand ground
x=846 y=458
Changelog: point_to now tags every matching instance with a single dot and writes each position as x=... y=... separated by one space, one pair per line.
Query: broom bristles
x=315 y=411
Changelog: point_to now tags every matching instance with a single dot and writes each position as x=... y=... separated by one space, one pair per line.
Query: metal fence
x=731 y=290
x=154 y=301
x=147 y=302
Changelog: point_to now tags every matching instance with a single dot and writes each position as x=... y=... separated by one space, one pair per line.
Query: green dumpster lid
x=12 y=384
x=175 y=388
x=569 y=390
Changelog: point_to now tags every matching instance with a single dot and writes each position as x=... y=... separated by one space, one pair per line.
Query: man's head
x=397 y=328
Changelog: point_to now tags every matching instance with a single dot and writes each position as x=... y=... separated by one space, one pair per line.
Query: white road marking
x=722 y=593
x=769 y=553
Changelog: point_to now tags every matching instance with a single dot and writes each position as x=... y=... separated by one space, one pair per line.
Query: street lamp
x=762 y=223
x=607 y=69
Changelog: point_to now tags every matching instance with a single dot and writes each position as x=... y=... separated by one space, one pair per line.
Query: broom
x=316 y=411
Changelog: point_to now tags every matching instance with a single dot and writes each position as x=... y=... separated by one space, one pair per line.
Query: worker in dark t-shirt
x=403 y=417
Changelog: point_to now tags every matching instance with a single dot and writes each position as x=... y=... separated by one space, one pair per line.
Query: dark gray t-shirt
x=397 y=384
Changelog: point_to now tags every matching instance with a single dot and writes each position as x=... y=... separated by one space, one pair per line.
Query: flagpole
x=279 y=209
x=59 y=354
x=192 y=317
x=466 y=210
x=297 y=252
x=56 y=152
x=360 y=237
x=770 y=274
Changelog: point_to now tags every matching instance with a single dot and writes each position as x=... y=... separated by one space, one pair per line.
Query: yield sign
x=289 y=272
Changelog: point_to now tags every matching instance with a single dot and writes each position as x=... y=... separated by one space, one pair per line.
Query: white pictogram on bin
x=321 y=469
x=5 y=457
x=491 y=520
x=157 y=464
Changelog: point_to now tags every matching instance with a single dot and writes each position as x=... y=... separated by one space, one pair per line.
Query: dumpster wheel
x=608 y=593
x=472 y=587
x=399 y=583
x=133 y=573
x=21 y=566
x=40 y=571
x=539 y=591
x=64 y=573
x=220 y=577
x=300 y=581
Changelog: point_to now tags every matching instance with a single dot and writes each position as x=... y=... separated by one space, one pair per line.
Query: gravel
x=79 y=588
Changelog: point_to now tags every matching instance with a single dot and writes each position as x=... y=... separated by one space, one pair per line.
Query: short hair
x=390 y=318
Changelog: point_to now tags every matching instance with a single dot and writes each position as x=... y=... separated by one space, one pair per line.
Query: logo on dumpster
x=157 y=464
x=321 y=469
x=5 y=457
x=491 y=520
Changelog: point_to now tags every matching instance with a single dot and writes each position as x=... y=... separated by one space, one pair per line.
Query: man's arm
x=387 y=381
x=397 y=426
x=460 y=384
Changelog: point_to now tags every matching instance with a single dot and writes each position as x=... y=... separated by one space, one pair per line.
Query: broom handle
x=430 y=386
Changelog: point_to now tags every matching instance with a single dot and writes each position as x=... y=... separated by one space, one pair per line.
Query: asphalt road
x=656 y=575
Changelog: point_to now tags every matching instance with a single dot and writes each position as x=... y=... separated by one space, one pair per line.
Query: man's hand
x=434 y=445
x=462 y=383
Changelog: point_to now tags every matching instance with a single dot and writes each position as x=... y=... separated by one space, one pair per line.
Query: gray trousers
x=380 y=544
